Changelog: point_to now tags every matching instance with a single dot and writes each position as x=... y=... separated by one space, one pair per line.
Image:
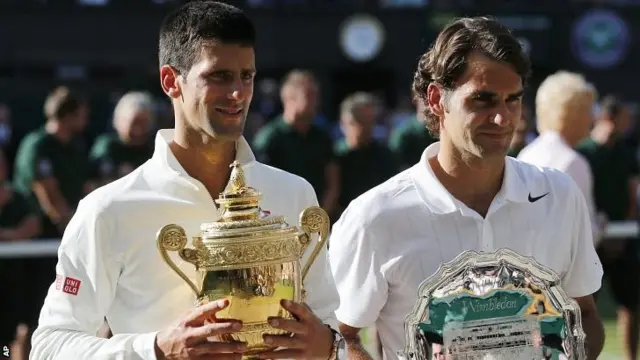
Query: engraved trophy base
x=498 y=306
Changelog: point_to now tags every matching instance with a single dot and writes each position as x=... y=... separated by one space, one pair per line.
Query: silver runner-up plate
x=498 y=306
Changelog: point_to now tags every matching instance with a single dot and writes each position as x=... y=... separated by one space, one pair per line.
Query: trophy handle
x=314 y=220
x=172 y=237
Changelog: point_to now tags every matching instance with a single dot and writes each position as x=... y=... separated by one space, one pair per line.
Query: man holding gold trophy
x=237 y=289
x=499 y=251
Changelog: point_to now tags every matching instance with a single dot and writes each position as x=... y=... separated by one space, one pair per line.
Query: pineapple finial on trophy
x=237 y=180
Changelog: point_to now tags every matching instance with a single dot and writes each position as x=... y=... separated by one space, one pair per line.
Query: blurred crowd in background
x=362 y=140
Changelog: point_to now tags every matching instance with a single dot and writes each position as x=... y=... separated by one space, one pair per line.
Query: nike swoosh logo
x=534 y=199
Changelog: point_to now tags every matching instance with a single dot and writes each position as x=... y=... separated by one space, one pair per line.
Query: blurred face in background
x=565 y=104
x=76 y=122
x=358 y=125
x=300 y=97
x=134 y=127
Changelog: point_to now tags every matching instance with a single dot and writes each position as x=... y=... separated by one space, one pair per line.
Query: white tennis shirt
x=392 y=238
x=550 y=150
x=109 y=264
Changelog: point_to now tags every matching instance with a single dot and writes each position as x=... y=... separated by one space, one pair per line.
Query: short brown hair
x=62 y=102
x=446 y=60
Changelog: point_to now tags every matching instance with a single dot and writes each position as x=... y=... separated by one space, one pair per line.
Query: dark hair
x=184 y=31
x=62 y=102
x=611 y=106
x=446 y=60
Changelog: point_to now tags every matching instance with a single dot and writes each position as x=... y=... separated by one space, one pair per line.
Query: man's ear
x=169 y=80
x=436 y=98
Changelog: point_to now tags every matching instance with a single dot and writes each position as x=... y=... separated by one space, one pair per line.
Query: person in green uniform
x=51 y=166
x=292 y=142
x=409 y=141
x=363 y=162
x=114 y=155
x=51 y=172
x=17 y=223
x=615 y=172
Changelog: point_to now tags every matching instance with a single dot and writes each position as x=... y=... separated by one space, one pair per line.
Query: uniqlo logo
x=67 y=284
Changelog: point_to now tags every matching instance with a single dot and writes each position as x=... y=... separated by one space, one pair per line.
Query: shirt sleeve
x=37 y=162
x=584 y=274
x=322 y=296
x=76 y=304
x=356 y=266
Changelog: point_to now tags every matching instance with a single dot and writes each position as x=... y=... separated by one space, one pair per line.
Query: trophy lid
x=241 y=212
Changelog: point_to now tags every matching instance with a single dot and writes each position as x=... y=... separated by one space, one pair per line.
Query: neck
x=299 y=122
x=569 y=137
x=472 y=180
x=205 y=159
x=54 y=128
x=603 y=133
x=355 y=143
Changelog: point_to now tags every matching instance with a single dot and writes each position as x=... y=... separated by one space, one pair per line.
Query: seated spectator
x=117 y=154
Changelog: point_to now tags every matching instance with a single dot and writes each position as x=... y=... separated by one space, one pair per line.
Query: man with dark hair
x=109 y=265
x=464 y=194
x=615 y=184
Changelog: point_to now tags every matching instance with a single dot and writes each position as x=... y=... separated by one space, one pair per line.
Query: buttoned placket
x=485 y=227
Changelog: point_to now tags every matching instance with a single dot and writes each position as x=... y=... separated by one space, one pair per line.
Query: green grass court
x=612 y=346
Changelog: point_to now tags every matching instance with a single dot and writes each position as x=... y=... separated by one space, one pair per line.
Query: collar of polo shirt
x=440 y=201
x=162 y=152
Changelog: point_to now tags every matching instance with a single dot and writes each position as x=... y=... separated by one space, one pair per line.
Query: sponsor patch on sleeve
x=67 y=285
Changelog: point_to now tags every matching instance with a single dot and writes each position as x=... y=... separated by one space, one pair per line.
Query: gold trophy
x=249 y=257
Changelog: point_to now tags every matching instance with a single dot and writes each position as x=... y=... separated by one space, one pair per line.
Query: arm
x=592 y=325
x=26 y=223
x=69 y=323
x=583 y=276
x=51 y=200
x=356 y=259
x=355 y=350
x=28 y=228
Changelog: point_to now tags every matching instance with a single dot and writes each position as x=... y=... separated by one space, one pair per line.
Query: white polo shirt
x=550 y=150
x=109 y=256
x=392 y=238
